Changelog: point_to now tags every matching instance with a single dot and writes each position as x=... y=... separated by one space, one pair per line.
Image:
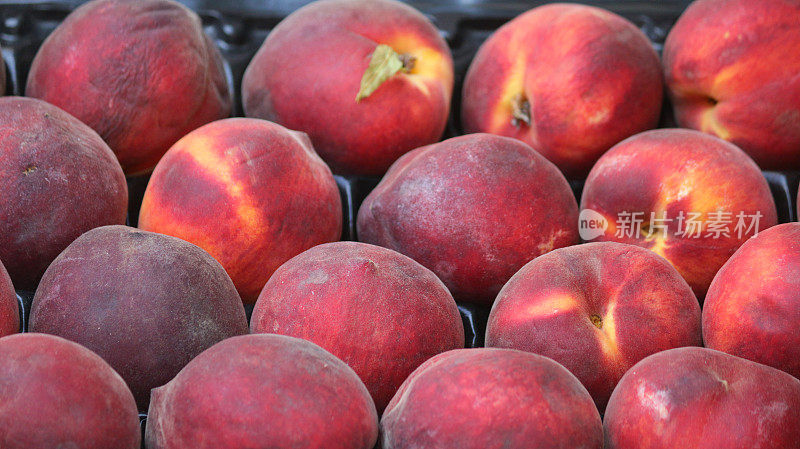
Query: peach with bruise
x=491 y=398
x=473 y=209
x=139 y=72
x=698 y=198
x=9 y=307
x=569 y=80
x=263 y=391
x=58 y=179
x=252 y=193
x=697 y=398
x=753 y=306
x=731 y=68
x=58 y=394
x=377 y=310
x=147 y=303
x=597 y=309
x=307 y=76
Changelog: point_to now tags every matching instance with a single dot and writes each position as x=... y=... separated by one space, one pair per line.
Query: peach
x=377 y=310
x=139 y=72
x=147 y=303
x=473 y=209
x=753 y=306
x=252 y=193
x=697 y=398
x=731 y=68
x=368 y=80
x=488 y=398
x=58 y=180
x=263 y=391
x=9 y=307
x=569 y=80
x=687 y=196
x=597 y=309
x=58 y=394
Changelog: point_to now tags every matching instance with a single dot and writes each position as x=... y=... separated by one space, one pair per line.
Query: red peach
x=687 y=196
x=377 y=310
x=597 y=309
x=252 y=193
x=697 y=398
x=491 y=399
x=309 y=73
x=58 y=180
x=265 y=391
x=474 y=209
x=9 y=307
x=753 y=306
x=731 y=68
x=58 y=394
x=139 y=72
x=569 y=80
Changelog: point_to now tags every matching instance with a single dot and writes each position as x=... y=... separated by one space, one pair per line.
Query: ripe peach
x=377 y=310
x=687 y=196
x=252 y=193
x=491 y=399
x=697 y=398
x=597 y=309
x=9 y=307
x=58 y=180
x=147 y=303
x=753 y=306
x=263 y=391
x=58 y=394
x=569 y=80
x=311 y=72
x=731 y=67
x=474 y=209
x=139 y=72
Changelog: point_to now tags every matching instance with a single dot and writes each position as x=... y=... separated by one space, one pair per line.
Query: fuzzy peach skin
x=732 y=71
x=263 y=391
x=58 y=179
x=474 y=209
x=488 y=398
x=379 y=311
x=597 y=309
x=9 y=307
x=139 y=72
x=752 y=309
x=58 y=394
x=697 y=398
x=585 y=78
x=667 y=174
x=147 y=303
x=308 y=71
x=252 y=193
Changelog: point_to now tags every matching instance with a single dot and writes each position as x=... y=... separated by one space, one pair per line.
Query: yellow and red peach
x=473 y=209
x=597 y=309
x=58 y=180
x=311 y=73
x=687 y=196
x=58 y=394
x=252 y=193
x=268 y=391
x=491 y=398
x=9 y=307
x=697 y=398
x=377 y=310
x=139 y=72
x=731 y=68
x=753 y=305
x=146 y=303
x=569 y=80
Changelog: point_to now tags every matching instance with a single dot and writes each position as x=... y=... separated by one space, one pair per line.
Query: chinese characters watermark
x=637 y=225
